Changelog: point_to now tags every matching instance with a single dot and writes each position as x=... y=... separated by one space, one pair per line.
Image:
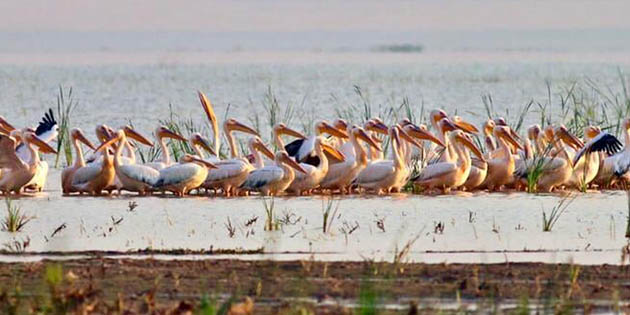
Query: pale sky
x=201 y=15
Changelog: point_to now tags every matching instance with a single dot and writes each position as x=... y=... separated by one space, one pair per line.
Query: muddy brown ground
x=140 y=285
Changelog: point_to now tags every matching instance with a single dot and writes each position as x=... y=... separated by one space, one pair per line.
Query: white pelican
x=501 y=165
x=161 y=133
x=373 y=127
x=586 y=165
x=341 y=175
x=274 y=179
x=384 y=176
x=230 y=174
x=47 y=130
x=66 y=175
x=305 y=183
x=16 y=172
x=133 y=177
x=98 y=175
x=256 y=146
x=303 y=150
x=448 y=175
x=615 y=164
x=180 y=178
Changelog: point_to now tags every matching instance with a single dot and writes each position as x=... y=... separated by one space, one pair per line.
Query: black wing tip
x=47 y=123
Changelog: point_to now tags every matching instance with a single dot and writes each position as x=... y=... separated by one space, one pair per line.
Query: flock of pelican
x=339 y=157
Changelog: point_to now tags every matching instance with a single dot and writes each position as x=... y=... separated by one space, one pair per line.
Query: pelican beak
x=448 y=125
x=171 y=134
x=329 y=129
x=340 y=124
x=404 y=135
x=464 y=125
x=81 y=137
x=376 y=138
x=467 y=141
x=236 y=125
x=361 y=134
x=423 y=134
x=290 y=132
x=43 y=146
x=203 y=162
x=131 y=133
x=202 y=142
x=6 y=125
x=292 y=163
x=377 y=127
x=515 y=135
x=510 y=138
x=208 y=108
x=569 y=139
x=108 y=143
x=333 y=152
x=264 y=149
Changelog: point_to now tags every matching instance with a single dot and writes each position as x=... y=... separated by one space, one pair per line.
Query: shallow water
x=480 y=227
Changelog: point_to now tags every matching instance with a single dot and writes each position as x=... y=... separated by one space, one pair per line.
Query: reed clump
x=15 y=220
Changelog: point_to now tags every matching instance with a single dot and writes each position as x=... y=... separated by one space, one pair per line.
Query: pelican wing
x=376 y=172
x=8 y=158
x=604 y=142
x=263 y=176
x=141 y=173
x=46 y=130
x=436 y=170
x=86 y=174
x=293 y=147
x=227 y=169
x=621 y=162
x=303 y=150
x=176 y=174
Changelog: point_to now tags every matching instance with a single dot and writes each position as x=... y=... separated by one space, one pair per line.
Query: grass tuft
x=15 y=220
x=66 y=104
x=550 y=220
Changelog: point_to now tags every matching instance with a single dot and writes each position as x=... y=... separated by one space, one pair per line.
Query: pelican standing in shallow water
x=180 y=178
x=161 y=133
x=500 y=168
x=17 y=173
x=385 y=176
x=449 y=175
x=272 y=180
x=68 y=173
x=230 y=174
x=133 y=177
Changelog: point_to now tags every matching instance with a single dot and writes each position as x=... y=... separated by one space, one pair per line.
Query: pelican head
x=464 y=125
x=360 y=133
x=505 y=133
x=197 y=139
x=533 y=132
x=77 y=133
x=563 y=134
x=591 y=132
x=340 y=124
x=189 y=158
x=376 y=125
x=324 y=127
x=284 y=158
x=488 y=127
x=421 y=132
x=466 y=140
x=133 y=134
x=164 y=132
x=259 y=145
x=43 y=146
x=549 y=133
x=402 y=134
x=404 y=122
x=500 y=121
x=447 y=125
x=115 y=137
x=437 y=115
x=232 y=124
x=282 y=129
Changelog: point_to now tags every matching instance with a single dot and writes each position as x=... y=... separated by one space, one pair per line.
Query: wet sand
x=326 y=287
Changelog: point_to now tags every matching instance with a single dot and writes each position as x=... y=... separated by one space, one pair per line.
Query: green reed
x=66 y=104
